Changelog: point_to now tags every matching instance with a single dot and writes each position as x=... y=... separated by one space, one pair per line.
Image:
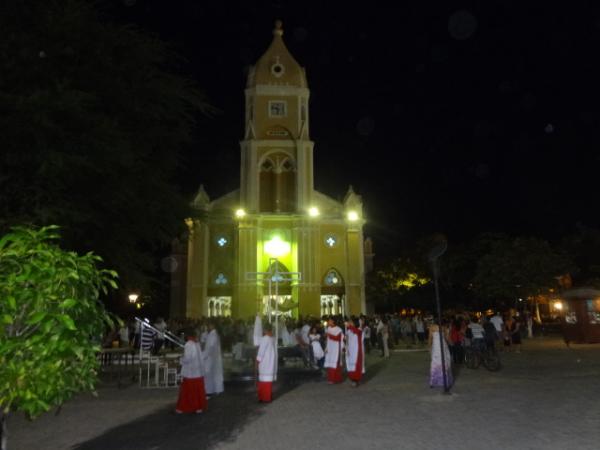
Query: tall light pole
x=434 y=255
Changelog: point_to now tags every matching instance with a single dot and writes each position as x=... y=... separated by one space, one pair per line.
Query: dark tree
x=584 y=248
x=92 y=125
x=519 y=268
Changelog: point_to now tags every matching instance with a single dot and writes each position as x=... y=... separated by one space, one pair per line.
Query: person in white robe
x=266 y=361
x=333 y=353
x=192 y=395
x=258 y=331
x=354 y=352
x=284 y=334
x=213 y=362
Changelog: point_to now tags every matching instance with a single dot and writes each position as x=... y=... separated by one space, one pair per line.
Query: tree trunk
x=3 y=430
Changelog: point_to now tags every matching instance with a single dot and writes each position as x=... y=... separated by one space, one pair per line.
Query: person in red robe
x=192 y=395
x=354 y=352
x=333 y=353
x=266 y=362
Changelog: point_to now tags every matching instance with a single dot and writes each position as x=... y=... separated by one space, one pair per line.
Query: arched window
x=287 y=186
x=277 y=176
x=267 y=185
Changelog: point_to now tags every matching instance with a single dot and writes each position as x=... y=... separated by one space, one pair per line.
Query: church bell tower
x=276 y=153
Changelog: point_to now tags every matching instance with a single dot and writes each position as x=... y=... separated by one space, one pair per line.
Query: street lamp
x=133 y=298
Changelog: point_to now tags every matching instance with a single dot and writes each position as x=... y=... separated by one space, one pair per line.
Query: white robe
x=213 y=364
x=192 y=362
x=352 y=351
x=257 y=336
x=315 y=342
x=332 y=356
x=285 y=335
x=267 y=359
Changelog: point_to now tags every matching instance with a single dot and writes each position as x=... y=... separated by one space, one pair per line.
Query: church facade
x=276 y=245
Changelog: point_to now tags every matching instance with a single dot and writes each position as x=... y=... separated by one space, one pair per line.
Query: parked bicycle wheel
x=472 y=358
x=491 y=360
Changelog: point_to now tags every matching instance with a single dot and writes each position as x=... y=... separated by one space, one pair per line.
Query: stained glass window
x=332 y=278
x=330 y=241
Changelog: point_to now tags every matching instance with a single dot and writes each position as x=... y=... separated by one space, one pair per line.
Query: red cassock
x=266 y=359
x=264 y=389
x=192 y=396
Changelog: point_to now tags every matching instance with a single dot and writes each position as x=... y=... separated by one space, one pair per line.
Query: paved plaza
x=547 y=397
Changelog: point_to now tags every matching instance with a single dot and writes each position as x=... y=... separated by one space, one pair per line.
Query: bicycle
x=480 y=353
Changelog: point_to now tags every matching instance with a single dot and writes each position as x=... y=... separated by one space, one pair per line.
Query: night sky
x=460 y=117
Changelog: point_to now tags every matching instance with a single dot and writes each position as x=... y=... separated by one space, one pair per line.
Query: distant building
x=276 y=220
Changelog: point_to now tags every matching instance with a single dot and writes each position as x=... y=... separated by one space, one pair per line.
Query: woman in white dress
x=317 y=349
x=436 y=376
x=213 y=362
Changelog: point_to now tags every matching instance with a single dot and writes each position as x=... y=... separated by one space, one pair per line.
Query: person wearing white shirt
x=498 y=323
x=477 y=333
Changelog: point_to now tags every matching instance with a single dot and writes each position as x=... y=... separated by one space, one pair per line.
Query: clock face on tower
x=277 y=109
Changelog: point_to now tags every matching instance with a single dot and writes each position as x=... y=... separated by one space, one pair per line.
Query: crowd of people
x=331 y=344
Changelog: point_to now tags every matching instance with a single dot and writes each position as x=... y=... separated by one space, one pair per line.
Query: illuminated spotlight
x=277 y=247
x=313 y=212
x=240 y=213
x=558 y=306
x=352 y=216
x=133 y=298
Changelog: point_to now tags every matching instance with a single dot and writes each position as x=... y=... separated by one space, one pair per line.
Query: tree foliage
x=584 y=248
x=519 y=267
x=388 y=286
x=92 y=123
x=49 y=313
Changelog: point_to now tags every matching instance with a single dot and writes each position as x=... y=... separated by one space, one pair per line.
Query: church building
x=276 y=245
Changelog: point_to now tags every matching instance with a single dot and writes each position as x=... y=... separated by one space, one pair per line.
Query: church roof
x=277 y=66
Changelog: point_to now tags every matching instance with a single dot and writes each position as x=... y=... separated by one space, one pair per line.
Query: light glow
x=133 y=298
x=558 y=306
x=313 y=212
x=240 y=213
x=277 y=247
x=352 y=216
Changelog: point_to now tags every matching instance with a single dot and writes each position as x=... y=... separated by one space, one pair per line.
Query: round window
x=277 y=69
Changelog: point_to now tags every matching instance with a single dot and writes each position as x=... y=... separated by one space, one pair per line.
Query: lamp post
x=433 y=257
